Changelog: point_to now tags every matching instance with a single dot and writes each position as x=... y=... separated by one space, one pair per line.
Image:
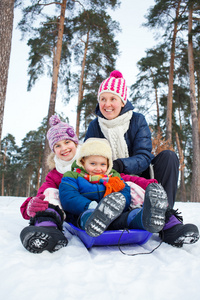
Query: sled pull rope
x=134 y=254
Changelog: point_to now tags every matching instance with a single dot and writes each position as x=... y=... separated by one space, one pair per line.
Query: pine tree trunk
x=157 y=104
x=28 y=186
x=38 y=172
x=171 y=81
x=157 y=109
x=54 y=85
x=195 y=188
x=80 y=91
x=198 y=102
x=182 y=167
x=2 y=184
x=6 y=28
x=3 y=173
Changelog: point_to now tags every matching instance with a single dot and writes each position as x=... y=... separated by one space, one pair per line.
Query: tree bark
x=3 y=173
x=182 y=167
x=80 y=91
x=6 y=28
x=157 y=104
x=38 y=172
x=171 y=80
x=54 y=85
x=198 y=102
x=195 y=188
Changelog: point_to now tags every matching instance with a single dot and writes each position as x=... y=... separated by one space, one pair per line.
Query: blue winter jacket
x=138 y=139
x=76 y=193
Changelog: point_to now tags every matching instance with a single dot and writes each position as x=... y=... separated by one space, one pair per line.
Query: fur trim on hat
x=96 y=146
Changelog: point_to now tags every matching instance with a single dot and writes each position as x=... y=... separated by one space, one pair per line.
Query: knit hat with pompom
x=114 y=84
x=60 y=131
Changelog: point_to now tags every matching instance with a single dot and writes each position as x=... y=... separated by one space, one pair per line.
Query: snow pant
x=121 y=222
x=166 y=170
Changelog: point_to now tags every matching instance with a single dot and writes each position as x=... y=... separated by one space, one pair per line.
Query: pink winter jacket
x=52 y=180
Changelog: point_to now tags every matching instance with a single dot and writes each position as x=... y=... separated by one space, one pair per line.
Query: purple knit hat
x=60 y=131
x=114 y=84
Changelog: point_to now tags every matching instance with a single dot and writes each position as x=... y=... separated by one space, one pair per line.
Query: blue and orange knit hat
x=60 y=131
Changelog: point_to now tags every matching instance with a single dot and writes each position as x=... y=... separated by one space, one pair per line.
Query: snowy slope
x=100 y=273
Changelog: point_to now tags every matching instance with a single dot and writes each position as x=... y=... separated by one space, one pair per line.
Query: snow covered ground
x=100 y=273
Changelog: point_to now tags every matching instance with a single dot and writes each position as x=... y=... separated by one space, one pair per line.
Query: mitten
x=52 y=196
x=36 y=204
x=114 y=184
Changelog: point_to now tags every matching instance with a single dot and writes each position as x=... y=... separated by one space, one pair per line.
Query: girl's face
x=95 y=164
x=110 y=105
x=65 y=149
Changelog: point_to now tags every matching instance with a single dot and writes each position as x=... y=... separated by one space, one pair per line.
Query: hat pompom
x=54 y=120
x=116 y=74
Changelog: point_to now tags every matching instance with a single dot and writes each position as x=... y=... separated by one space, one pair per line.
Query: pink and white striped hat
x=114 y=84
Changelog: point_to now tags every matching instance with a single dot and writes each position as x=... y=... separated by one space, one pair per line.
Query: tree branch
x=80 y=4
x=196 y=8
x=48 y=3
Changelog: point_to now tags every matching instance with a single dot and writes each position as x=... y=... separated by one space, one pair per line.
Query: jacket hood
x=126 y=108
x=50 y=161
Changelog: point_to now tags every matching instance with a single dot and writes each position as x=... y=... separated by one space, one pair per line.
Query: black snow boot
x=45 y=231
x=176 y=233
x=108 y=209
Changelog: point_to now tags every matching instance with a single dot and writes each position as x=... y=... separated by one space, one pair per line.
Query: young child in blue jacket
x=99 y=199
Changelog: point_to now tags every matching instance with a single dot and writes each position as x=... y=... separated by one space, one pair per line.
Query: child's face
x=65 y=149
x=95 y=164
x=110 y=105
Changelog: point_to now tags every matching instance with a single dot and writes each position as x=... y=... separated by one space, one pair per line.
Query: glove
x=118 y=165
x=36 y=204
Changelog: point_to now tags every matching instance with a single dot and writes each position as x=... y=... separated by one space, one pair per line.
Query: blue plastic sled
x=110 y=237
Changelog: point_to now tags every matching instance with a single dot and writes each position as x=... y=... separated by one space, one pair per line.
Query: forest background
x=75 y=44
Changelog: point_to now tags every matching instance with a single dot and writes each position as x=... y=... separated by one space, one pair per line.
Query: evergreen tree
x=160 y=15
x=165 y=14
x=31 y=158
x=75 y=8
x=95 y=52
x=9 y=166
x=152 y=78
x=195 y=193
x=6 y=28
